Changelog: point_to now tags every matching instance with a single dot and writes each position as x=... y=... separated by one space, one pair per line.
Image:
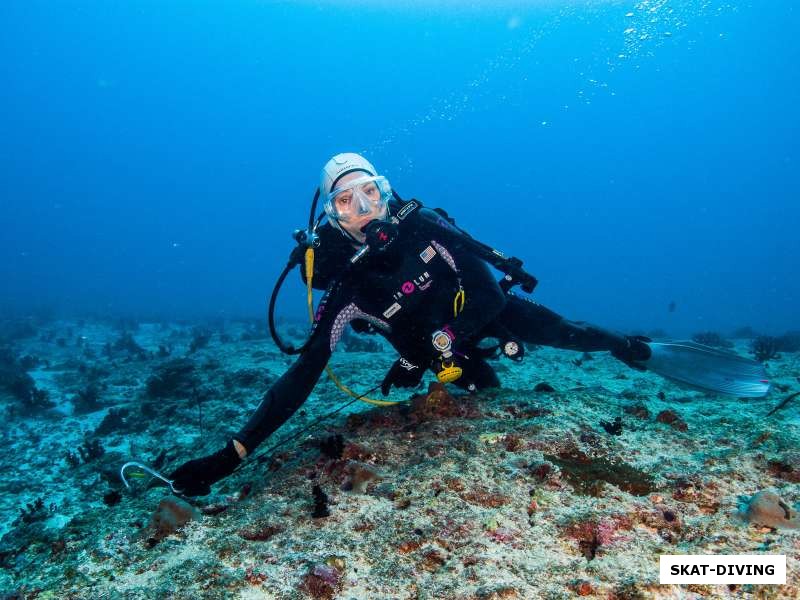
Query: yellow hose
x=458 y=301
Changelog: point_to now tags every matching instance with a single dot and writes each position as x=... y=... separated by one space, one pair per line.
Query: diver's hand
x=633 y=351
x=403 y=373
x=195 y=477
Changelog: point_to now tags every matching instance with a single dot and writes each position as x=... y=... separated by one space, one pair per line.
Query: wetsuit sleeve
x=292 y=388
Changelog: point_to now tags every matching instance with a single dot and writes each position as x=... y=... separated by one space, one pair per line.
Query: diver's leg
x=535 y=324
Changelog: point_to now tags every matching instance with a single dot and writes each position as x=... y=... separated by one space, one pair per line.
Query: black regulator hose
x=305 y=239
x=285 y=348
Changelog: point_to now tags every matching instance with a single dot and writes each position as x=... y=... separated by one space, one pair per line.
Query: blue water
x=155 y=156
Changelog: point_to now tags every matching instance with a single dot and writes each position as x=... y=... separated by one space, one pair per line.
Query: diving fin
x=708 y=369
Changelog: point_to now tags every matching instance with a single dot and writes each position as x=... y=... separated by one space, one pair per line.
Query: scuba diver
x=408 y=273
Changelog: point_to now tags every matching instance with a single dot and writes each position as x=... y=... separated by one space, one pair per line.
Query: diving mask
x=363 y=196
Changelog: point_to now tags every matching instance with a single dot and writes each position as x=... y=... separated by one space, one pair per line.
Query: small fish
x=672 y=306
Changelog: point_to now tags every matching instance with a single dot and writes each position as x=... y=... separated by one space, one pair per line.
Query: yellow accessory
x=459 y=300
x=449 y=373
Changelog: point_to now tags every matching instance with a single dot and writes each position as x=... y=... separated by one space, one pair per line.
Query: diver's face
x=346 y=203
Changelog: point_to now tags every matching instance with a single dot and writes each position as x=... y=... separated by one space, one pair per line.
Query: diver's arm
x=195 y=477
x=287 y=394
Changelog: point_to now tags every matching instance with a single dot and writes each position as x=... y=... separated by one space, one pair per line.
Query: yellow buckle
x=449 y=373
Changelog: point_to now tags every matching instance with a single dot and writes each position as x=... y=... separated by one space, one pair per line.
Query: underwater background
x=157 y=155
x=640 y=157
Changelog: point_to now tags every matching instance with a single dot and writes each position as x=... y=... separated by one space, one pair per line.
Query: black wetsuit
x=405 y=295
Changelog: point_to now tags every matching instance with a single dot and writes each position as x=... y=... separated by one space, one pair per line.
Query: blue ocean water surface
x=155 y=156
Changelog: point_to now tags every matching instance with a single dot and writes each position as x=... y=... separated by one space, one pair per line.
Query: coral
x=90 y=450
x=438 y=404
x=34 y=511
x=172 y=514
x=320 y=503
x=541 y=471
x=359 y=476
x=785 y=469
x=87 y=400
x=671 y=418
x=591 y=533
x=513 y=443
x=332 y=446
x=582 y=587
x=614 y=428
x=767 y=509
x=322 y=582
x=432 y=560
x=253 y=578
x=764 y=348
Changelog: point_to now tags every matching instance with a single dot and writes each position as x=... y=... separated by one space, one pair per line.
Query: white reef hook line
x=146 y=469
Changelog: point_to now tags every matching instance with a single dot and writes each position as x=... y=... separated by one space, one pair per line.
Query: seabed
x=508 y=493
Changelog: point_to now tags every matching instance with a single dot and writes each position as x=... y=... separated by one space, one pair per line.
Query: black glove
x=633 y=351
x=195 y=477
x=403 y=373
